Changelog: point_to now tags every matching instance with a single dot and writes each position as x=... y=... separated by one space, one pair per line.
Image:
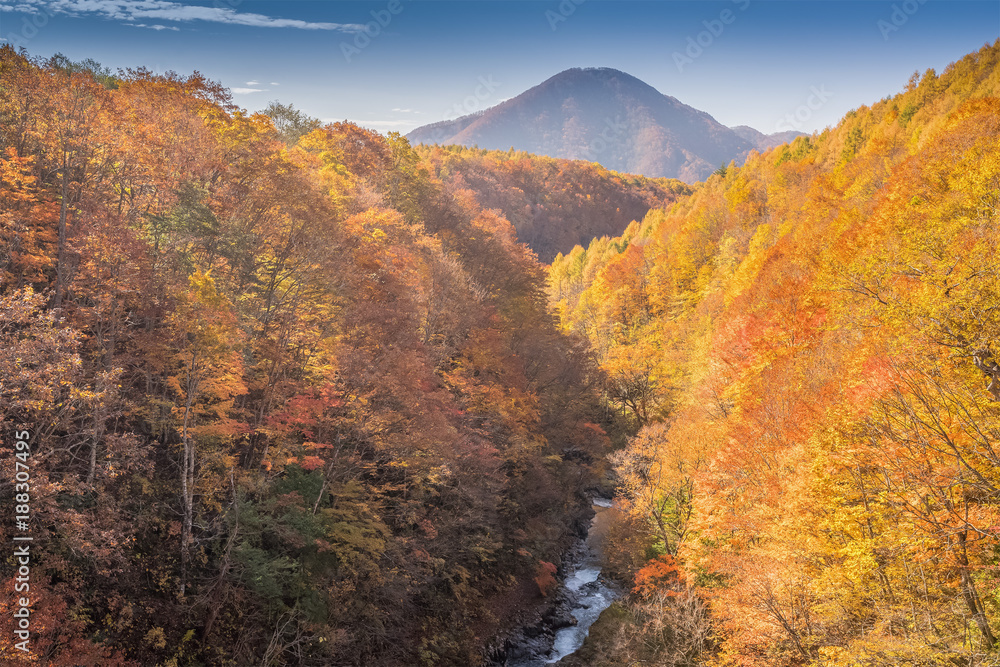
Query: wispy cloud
x=247 y=91
x=274 y=84
x=166 y=10
x=253 y=83
x=405 y=110
x=155 y=26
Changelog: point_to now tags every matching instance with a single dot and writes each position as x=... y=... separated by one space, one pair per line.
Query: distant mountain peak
x=581 y=75
x=603 y=115
x=604 y=71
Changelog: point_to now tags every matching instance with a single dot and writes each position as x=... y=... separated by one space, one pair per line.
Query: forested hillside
x=289 y=403
x=553 y=204
x=300 y=394
x=808 y=346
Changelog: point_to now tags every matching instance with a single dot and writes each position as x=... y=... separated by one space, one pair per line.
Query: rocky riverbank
x=560 y=626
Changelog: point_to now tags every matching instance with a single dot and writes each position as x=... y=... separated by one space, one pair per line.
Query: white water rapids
x=589 y=595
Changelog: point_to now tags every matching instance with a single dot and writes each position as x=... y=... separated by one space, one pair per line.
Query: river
x=583 y=592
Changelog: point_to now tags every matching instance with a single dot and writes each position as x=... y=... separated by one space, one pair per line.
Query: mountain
x=605 y=116
x=765 y=142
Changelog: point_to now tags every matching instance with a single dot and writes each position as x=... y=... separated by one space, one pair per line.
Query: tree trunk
x=972 y=597
x=98 y=436
x=216 y=601
x=61 y=254
x=187 y=472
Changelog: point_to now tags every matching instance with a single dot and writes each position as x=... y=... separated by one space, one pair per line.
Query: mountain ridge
x=604 y=115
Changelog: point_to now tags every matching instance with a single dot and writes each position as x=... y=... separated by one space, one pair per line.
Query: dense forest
x=553 y=204
x=292 y=400
x=808 y=348
x=302 y=394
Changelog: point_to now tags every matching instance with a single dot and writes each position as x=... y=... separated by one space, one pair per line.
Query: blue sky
x=397 y=64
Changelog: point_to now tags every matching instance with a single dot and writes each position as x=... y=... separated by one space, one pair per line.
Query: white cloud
x=406 y=110
x=253 y=83
x=20 y=7
x=247 y=91
x=274 y=84
x=167 y=10
x=157 y=27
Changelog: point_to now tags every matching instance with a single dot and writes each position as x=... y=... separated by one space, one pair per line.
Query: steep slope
x=601 y=115
x=284 y=405
x=553 y=204
x=807 y=347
